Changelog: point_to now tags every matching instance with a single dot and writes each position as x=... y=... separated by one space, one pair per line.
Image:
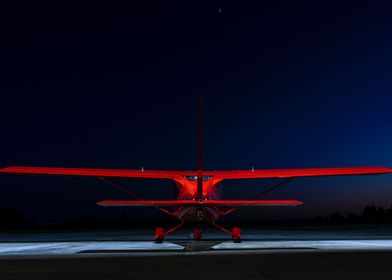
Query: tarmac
x=339 y=253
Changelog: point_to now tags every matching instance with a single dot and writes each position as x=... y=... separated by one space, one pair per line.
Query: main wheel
x=236 y=234
x=196 y=233
x=159 y=234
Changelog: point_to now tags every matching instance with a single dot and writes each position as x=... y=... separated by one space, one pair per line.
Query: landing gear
x=159 y=234
x=196 y=233
x=236 y=234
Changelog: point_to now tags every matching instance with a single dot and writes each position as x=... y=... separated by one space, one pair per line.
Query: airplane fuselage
x=187 y=190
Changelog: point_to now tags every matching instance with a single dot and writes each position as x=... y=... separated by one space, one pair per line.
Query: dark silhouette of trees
x=124 y=218
x=388 y=214
x=13 y=218
x=373 y=214
x=336 y=218
x=380 y=214
x=369 y=213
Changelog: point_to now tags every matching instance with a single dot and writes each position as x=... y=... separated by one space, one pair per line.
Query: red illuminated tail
x=200 y=152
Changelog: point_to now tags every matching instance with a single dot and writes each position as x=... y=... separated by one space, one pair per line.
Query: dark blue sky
x=286 y=84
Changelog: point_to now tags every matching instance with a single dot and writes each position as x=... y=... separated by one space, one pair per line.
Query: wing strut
x=132 y=194
x=273 y=188
x=119 y=188
x=262 y=193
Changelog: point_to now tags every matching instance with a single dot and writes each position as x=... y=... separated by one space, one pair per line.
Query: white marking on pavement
x=74 y=247
x=323 y=245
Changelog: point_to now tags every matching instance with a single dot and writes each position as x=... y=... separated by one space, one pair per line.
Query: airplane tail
x=200 y=152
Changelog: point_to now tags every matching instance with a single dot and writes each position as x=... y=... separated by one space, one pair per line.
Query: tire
x=197 y=233
x=236 y=234
x=159 y=234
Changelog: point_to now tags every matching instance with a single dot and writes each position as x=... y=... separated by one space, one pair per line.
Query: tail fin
x=200 y=152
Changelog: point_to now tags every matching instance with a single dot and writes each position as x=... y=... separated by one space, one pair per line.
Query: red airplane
x=198 y=197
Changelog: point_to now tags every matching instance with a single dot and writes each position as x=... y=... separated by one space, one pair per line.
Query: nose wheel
x=197 y=233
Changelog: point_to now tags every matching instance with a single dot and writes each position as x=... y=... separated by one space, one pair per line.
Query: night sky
x=286 y=84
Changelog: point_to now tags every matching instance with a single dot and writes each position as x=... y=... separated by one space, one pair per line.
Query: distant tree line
x=370 y=214
x=11 y=218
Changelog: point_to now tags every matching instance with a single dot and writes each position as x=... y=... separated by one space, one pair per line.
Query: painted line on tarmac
x=61 y=248
x=320 y=245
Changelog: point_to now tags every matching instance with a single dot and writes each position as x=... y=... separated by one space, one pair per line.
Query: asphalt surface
x=340 y=253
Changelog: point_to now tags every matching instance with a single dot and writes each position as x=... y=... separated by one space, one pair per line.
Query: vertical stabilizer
x=200 y=152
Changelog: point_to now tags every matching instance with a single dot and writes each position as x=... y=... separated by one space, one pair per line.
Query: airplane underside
x=198 y=212
x=197 y=215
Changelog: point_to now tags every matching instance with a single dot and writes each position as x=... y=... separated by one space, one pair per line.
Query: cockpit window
x=194 y=178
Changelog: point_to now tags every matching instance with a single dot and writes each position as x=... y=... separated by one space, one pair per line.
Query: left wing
x=297 y=172
x=96 y=172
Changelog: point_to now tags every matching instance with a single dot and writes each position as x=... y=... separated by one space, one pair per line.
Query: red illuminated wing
x=219 y=175
x=301 y=172
x=96 y=172
x=236 y=203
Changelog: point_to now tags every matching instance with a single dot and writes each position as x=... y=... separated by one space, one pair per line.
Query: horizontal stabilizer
x=236 y=203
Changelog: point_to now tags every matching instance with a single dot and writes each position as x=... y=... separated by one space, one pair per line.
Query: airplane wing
x=298 y=172
x=162 y=203
x=219 y=175
x=95 y=172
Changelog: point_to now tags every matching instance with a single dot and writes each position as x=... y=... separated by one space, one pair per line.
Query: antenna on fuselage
x=200 y=152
